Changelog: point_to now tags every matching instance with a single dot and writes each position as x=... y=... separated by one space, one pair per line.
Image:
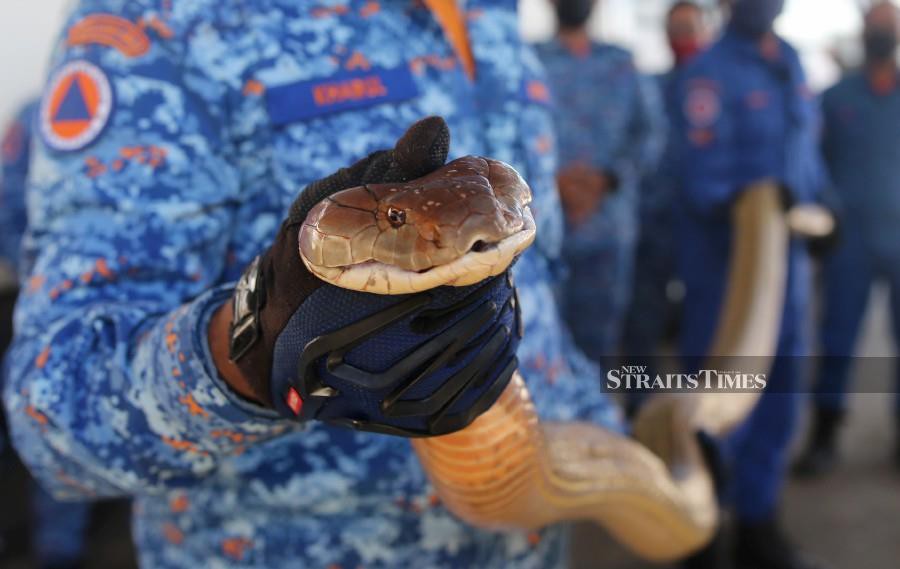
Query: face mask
x=573 y=13
x=684 y=49
x=880 y=44
x=755 y=17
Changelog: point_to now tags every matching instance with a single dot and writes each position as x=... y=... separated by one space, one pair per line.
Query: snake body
x=467 y=222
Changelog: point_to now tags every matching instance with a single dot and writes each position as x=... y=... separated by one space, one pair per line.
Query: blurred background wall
x=27 y=35
x=822 y=29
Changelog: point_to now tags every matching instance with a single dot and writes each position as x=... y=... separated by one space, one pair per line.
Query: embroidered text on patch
x=340 y=92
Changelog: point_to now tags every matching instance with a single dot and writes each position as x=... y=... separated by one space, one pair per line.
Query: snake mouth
x=483 y=260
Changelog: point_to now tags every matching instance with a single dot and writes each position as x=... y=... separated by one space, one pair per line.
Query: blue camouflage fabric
x=15 y=153
x=138 y=237
x=745 y=119
x=58 y=527
x=609 y=117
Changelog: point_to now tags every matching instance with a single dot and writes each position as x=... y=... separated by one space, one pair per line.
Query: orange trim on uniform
x=157 y=25
x=325 y=11
x=369 y=9
x=453 y=21
x=105 y=29
x=357 y=61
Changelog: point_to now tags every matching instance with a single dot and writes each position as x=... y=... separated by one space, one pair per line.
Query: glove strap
x=249 y=299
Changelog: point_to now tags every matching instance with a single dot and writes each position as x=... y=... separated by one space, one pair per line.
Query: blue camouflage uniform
x=609 y=117
x=745 y=119
x=14 y=162
x=59 y=527
x=15 y=152
x=139 y=236
x=654 y=269
x=862 y=149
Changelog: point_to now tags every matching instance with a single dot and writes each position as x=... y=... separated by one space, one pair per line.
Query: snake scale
x=468 y=221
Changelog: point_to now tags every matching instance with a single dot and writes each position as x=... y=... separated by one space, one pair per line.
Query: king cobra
x=507 y=470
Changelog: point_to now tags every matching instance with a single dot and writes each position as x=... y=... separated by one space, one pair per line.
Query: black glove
x=821 y=247
x=413 y=365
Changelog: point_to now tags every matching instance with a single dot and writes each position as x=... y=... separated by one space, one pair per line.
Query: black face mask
x=573 y=13
x=755 y=17
x=880 y=44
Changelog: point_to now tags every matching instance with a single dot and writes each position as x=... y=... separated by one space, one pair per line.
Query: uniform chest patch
x=702 y=107
x=76 y=106
x=343 y=91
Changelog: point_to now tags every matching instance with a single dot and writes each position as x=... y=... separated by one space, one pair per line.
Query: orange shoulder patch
x=112 y=31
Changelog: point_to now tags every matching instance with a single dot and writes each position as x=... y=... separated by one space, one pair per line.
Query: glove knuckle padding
x=413 y=365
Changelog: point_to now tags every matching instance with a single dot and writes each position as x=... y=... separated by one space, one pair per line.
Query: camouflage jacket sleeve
x=111 y=389
x=16 y=142
x=647 y=132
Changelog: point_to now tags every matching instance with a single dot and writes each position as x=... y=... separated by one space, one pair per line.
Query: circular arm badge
x=76 y=106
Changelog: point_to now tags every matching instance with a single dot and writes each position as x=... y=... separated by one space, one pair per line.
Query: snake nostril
x=396 y=217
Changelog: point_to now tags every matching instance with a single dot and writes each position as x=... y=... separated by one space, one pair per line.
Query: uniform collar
x=579 y=46
x=452 y=19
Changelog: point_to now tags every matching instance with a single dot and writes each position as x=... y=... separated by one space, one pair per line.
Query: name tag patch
x=343 y=91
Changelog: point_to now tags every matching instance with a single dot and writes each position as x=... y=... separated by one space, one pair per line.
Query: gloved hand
x=412 y=365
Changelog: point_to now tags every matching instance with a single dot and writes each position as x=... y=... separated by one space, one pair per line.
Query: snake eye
x=396 y=217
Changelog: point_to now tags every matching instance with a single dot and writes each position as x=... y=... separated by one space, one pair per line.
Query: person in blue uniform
x=651 y=310
x=610 y=123
x=860 y=145
x=747 y=115
x=15 y=151
x=169 y=164
x=59 y=528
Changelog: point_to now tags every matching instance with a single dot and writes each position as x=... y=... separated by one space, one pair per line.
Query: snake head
x=457 y=226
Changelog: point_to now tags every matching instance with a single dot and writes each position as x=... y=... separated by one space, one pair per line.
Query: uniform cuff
x=207 y=306
x=199 y=407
